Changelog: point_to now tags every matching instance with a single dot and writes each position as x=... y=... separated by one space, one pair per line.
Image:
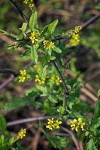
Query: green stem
x=66 y=93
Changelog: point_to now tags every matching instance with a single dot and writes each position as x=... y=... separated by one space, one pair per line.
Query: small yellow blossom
x=21 y=133
x=29 y=3
x=75 y=38
x=23 y=72
x=77 y=124
x=48 y=44
x=57 y=123
x=50 y=125
x=21 y=79
x=23 y=76
x=75 y=30
x=38 y=68
x=34 y=37
x=53 y=124
x=74 y=41
x=56 y=79
x=40 y=81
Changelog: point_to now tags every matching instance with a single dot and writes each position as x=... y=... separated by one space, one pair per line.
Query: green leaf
x=44 y=71
x=57 y=142
x=97 y=110
x=2 y=142
x=52 y=99
x=20 y=102
x=24 y=26
x=49 y=51
x=45 y=30
x=2 y=124
x=97 y=7
x=52 y=57
x=33 y=21
x=58 y=50
x=91 y=145
x=42 y=89
x=99 y=93
x=52 y=26
x=31 y=91
x=61 y=110
x=34 y=54
x=11 y=140
x=47 y=108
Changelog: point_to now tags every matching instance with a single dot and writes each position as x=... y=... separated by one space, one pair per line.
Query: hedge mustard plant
x=55 y=101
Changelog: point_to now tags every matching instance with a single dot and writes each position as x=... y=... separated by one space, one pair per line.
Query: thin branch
x=15 y=5
x=6 y=71
x=63 y=82
x=12 y=77
x=21 y=121
x=76 y=142
x=85 y=25
x=90 y=21
x=6 y=82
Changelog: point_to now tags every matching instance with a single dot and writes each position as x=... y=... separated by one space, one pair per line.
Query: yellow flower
x=23 y=72
x=25 y=1
x=77 y=124
x=31 y=6
x=21 y=133
x=50 y=124
x=74 y=41
x=38 y=68
x=48 y=44
x=40 y=81
x=75 y=38
x=56 y=79
x=21 y=79
x=29 y=3
x=57 y=123
x=23 y=76
x=34 y=36
x=77 y=29
x=53 y=124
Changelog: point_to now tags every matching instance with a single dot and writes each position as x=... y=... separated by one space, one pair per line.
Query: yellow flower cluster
x=23 y=76
x=56 y=79
x=48 y=44
x=29 y=3
x=75 y=38
x=21 y=133
x=34 y=37
x=76 y=124
x=38 y=80
x=53 y=124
